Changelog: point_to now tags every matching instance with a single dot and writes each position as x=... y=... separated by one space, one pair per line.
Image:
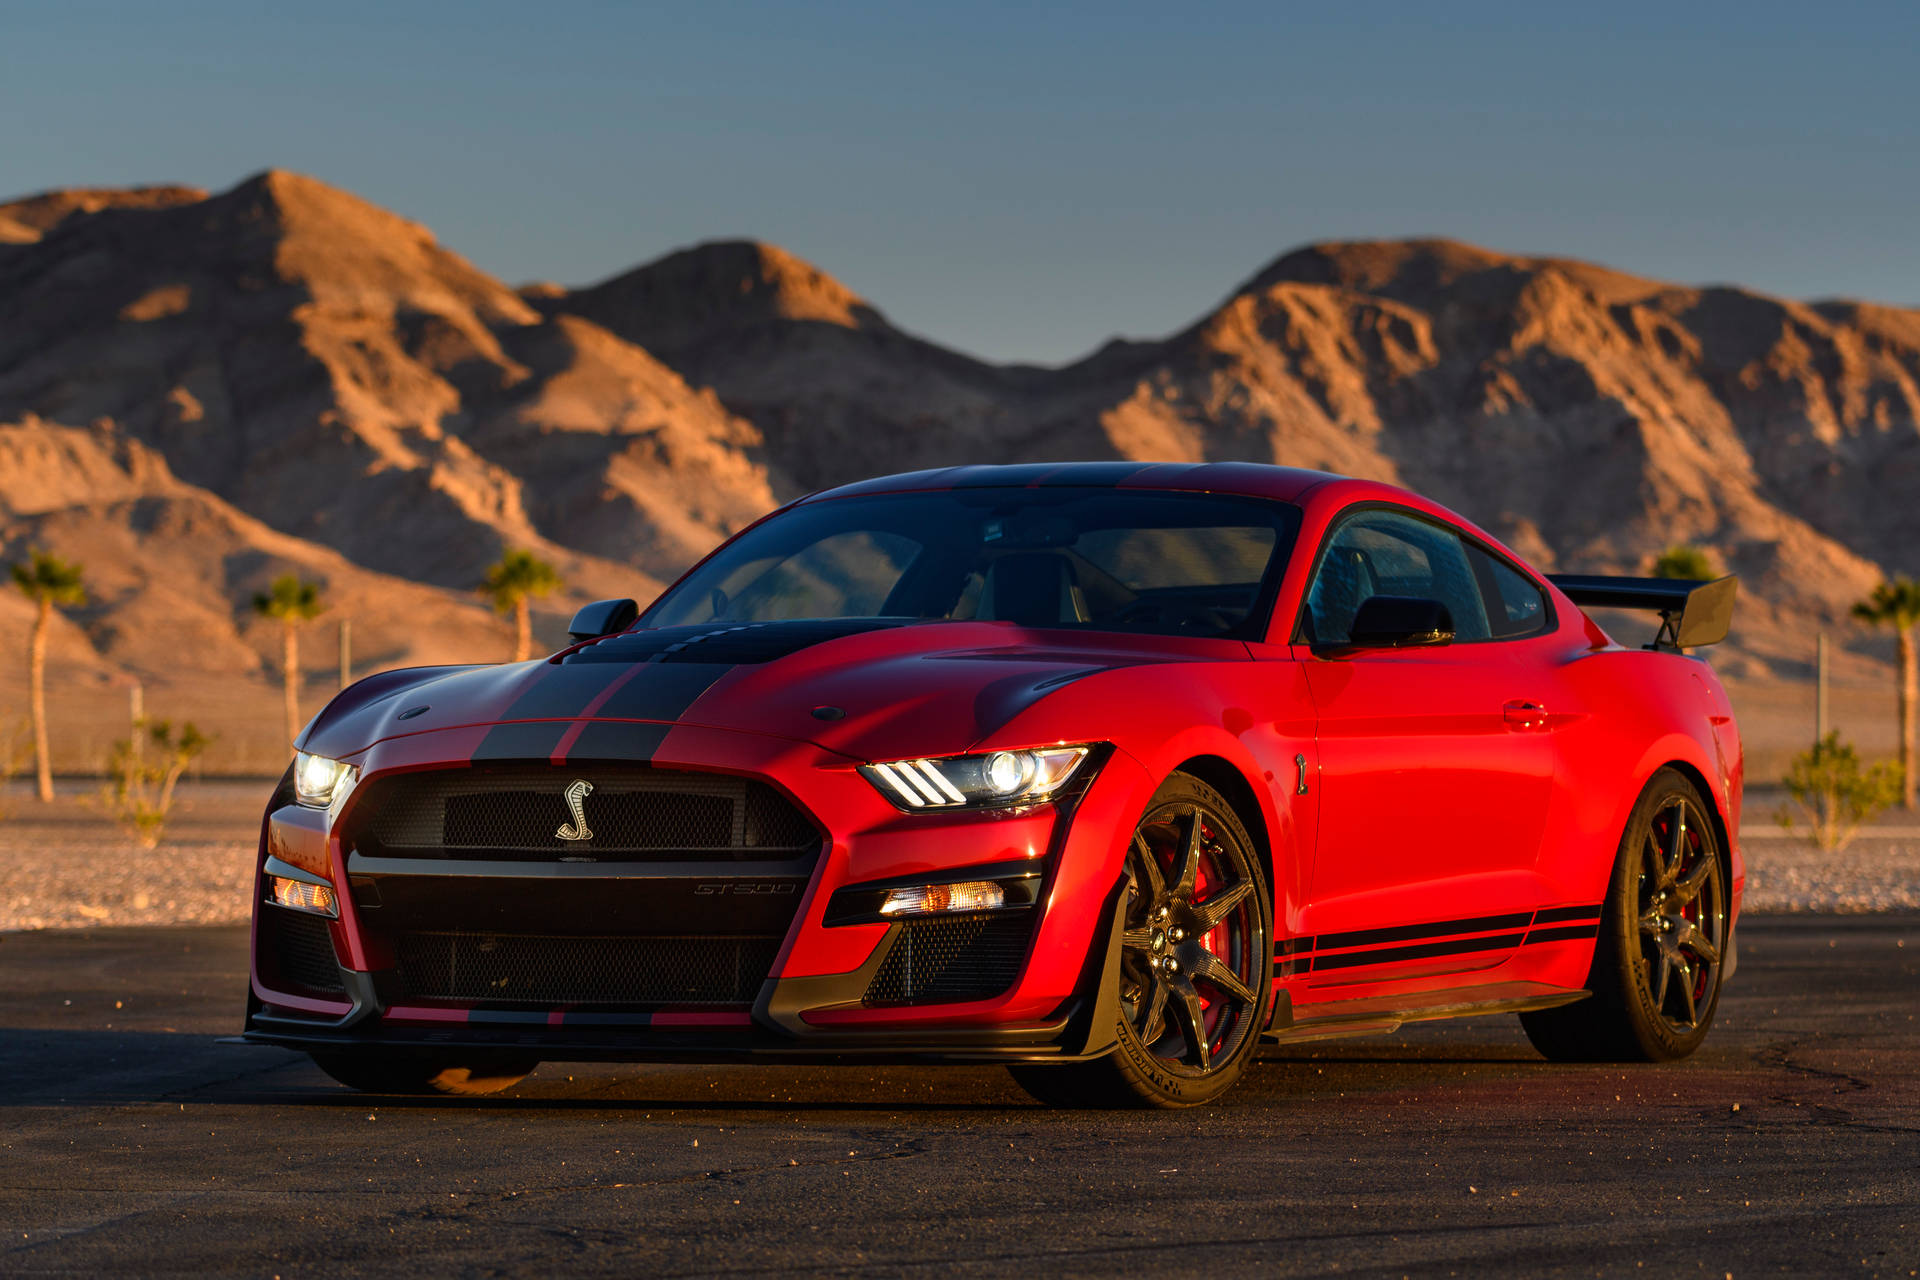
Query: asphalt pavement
x=133 y=1143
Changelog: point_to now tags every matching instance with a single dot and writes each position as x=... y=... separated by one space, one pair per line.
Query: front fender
x=1254 y=717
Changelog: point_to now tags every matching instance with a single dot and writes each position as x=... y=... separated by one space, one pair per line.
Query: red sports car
x=1108 y=772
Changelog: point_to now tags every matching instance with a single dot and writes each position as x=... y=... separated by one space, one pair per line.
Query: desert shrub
x=140 y=782
x=1683 y=561
x=1835 y=793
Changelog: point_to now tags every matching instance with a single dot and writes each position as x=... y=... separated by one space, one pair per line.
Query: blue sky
x=1022 y=181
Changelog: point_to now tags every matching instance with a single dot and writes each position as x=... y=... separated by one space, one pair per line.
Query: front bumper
x=816 y=999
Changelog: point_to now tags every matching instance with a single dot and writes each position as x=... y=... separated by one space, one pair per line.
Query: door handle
x=1524 y=713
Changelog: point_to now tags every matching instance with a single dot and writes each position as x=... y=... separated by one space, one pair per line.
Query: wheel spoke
x=1154 y=1019
x=1703 y=947
x=1677 y=847
x=1653 y=860
x=1215 y=970
x=1149 y=864
x=1650 y=924
x=1210 y=913
x=1690 y=887
x=1192 y=1017
x=1189 y=866
x=1137 y=939
x=1686 y=989
x=1660 y=990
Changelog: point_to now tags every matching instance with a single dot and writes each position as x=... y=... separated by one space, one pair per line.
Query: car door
x=1436 y=762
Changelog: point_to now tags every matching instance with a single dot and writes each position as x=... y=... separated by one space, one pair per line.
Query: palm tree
x=48 y=581
x=1683 y=561
x=518 y=577
x=290 y=601
x=1896 y=604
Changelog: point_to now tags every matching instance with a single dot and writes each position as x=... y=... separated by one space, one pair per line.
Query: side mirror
x=1400 y=622
x=602 y=618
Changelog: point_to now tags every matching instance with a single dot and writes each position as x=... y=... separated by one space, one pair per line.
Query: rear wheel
x=1663 y=935
x=459 y=1074
x=1195 y=965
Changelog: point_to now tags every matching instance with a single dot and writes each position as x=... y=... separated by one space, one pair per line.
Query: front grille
x=961 y=957
x=302 y=948
x=524 y=969
x=515 y=812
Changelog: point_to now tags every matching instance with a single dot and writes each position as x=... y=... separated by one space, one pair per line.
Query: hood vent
x=727 y=643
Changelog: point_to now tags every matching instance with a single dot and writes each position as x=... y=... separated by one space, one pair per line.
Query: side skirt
x=1379 y=1015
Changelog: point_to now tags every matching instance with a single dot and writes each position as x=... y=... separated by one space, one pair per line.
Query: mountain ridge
x=313 y=382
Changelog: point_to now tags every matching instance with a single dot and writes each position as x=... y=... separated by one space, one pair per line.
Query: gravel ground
x=66 y=866
x=1871 y=874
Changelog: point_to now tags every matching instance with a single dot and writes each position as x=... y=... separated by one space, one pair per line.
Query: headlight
x=318 y=781
x=976 y=782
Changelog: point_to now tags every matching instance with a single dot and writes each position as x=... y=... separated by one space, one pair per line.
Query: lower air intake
x=302 y=947
x=961 y=957
x=521 y=969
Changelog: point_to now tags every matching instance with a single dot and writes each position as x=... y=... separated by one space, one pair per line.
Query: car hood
x=868 y=689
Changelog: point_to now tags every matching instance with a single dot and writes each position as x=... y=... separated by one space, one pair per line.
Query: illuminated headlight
x=318 y=781
x=978 y=781
x=932 y=899
x=302 y=896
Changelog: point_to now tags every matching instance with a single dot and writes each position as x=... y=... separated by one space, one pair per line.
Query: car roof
x=1247 y=479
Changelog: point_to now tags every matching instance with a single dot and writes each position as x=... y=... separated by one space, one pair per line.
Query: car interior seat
x=1032 y=588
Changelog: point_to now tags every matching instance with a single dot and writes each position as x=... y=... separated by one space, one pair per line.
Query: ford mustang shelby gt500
x=1107 y=772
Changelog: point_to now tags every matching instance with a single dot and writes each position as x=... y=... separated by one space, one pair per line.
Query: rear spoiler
x=1692 y=612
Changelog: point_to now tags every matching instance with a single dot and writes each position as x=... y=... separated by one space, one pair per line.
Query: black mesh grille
x=518 y=811
x=303 y=952
x=507 y=969
x=953 y=958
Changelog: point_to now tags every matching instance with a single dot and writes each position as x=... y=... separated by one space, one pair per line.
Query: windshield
x=1098 y=559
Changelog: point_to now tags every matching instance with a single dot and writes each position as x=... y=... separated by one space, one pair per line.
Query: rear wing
x=1692 y=612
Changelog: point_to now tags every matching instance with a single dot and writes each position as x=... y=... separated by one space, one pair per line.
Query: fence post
x=1820 y=690
x=137 y=712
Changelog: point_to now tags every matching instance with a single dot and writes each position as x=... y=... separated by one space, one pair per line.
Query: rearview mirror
x=602 y=618
x=1400 y=622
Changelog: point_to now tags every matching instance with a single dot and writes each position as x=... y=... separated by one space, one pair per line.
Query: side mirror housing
x=1400 y=622
x=602 y=618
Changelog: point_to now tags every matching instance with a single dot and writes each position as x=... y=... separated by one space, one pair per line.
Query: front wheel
x=1195 y=964
x=457 y=1074
x=1663 y=939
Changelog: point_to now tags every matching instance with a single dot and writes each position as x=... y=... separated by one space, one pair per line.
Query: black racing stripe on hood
x=529 y=741
x=727 y=642
x=611 y=740
x=661 y=691
x=557 y=693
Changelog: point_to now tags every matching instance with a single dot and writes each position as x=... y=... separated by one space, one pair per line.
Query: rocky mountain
x=200 y=391
x=1588 y=416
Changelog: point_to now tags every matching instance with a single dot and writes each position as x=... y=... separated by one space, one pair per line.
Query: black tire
x=466 y=1075
x=1663 y=937
x=1196 y=972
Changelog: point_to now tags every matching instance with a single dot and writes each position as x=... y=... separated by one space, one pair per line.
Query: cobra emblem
x=576 y=803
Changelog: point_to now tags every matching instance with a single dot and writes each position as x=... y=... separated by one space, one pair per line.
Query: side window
x=1515 y=607
x=1386 y=553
